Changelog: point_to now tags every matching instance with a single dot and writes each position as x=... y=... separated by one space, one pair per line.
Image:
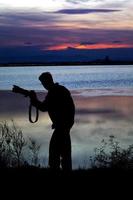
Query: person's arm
x=42 y=106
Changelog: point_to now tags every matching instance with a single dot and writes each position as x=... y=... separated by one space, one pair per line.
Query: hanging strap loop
x=30 y=114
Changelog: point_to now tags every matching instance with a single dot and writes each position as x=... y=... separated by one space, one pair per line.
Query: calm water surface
x=73 y=77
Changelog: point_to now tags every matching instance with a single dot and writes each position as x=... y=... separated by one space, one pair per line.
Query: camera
x=20 y=90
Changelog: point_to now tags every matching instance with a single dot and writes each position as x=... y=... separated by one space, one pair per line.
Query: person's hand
x=33 y=94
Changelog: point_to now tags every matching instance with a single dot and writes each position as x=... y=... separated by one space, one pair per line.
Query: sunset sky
x=66 y=24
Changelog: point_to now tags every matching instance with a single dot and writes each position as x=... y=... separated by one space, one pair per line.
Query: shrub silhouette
x=34 y=148
x=12 y=143
x=111 y=155
x=18 y=143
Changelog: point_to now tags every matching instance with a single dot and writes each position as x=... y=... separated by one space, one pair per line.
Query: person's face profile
x=45 y=84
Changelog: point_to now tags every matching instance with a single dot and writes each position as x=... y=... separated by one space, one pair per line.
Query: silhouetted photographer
x=60 y=107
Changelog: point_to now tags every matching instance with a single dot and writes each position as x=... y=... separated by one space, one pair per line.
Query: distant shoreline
x=97 y=63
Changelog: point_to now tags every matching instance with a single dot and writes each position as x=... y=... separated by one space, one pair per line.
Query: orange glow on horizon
x=104 y=46
x=90 y=46
x=61 y=47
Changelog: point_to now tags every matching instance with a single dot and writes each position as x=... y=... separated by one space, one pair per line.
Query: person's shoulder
x=58 y=86
x=61 y=88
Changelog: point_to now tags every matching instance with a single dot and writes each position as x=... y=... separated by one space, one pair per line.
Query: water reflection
x=96 y=118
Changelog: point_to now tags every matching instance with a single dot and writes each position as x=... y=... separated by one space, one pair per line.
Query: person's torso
x=61 y=107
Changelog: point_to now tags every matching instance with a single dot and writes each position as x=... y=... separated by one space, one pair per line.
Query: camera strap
x=30 y=114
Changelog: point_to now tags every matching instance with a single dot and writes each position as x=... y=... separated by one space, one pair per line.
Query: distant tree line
x=105 y=61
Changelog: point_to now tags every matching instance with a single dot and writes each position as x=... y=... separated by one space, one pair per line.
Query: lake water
x=103 y=96
x=106 y=78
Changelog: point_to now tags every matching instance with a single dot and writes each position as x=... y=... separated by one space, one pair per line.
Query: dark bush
x=111 y=155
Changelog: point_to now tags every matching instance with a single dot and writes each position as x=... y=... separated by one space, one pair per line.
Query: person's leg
x=54 y=152
x=66 y=160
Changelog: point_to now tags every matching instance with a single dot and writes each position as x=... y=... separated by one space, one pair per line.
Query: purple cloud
x=117 y=42
x=43 y=31
x=88 y=43
x=85 y=11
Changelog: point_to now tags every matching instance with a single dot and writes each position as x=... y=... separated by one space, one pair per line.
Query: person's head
x=46 y=80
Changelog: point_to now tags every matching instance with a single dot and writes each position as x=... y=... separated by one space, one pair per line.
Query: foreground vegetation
x=20 y=172
x=18 y=152
x=15 y=150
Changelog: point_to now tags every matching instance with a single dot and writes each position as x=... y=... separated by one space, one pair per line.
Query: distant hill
x=34 y=55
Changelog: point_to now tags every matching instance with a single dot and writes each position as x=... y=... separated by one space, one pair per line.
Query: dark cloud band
x=85 y=11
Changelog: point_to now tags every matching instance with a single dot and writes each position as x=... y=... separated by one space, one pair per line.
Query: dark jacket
x=60 y=106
